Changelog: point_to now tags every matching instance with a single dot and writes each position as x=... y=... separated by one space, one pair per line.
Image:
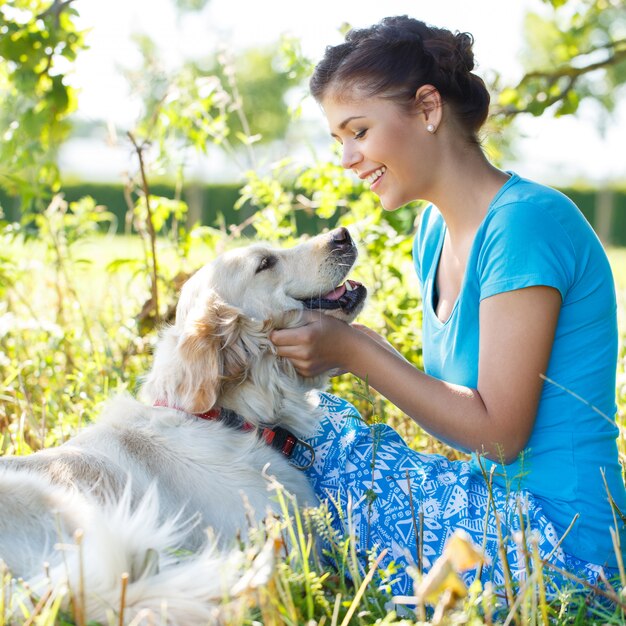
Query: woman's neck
x=464 y=202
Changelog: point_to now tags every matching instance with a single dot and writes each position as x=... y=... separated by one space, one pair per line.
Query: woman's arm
x=516 y=335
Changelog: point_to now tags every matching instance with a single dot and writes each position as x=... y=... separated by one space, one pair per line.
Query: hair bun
x=464 y=44
x=451 y=52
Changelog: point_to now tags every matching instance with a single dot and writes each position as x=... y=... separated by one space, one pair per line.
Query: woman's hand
x=319 y=346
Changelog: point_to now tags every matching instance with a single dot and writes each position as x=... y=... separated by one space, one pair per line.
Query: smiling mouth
x=347 y=297
x=374 y=176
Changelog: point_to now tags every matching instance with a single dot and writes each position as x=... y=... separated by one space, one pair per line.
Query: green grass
x=70 y=336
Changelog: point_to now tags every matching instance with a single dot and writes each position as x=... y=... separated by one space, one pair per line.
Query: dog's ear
x=202 y=333
x=217 y=345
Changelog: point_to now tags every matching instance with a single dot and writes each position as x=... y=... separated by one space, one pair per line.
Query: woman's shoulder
x=523 y=198
x=533 y=229
x=525 y=208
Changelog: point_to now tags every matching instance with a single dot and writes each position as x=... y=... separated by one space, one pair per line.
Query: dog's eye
x=267 y=262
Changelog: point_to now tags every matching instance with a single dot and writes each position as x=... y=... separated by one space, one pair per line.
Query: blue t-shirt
x=533 y=235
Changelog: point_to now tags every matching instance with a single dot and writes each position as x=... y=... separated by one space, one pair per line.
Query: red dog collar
x=278 y=438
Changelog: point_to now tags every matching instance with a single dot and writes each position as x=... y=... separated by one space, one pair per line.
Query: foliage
x=38 y=43
x=575 y=50
x=258 y=85
x=223 y=100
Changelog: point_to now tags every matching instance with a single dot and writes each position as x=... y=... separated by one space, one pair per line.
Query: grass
x=71 y=334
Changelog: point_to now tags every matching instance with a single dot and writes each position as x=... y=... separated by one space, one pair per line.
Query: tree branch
x=151 y=232
x=572 y=73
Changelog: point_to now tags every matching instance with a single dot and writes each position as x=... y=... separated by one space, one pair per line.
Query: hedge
x=213 y=205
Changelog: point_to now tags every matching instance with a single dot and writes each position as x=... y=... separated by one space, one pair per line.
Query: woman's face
x=384 y=145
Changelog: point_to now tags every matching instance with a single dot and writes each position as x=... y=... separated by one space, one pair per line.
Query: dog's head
x=219 y=352
x=265 y=283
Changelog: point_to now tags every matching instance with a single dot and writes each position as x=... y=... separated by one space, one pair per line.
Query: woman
x=515 y=284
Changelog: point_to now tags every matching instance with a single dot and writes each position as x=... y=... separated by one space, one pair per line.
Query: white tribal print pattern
x=383 y=506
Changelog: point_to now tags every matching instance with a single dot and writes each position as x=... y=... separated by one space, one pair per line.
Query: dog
x=220 y=412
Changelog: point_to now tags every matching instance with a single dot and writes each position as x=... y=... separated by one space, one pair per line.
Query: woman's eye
x=266 y=263
x=360 y=134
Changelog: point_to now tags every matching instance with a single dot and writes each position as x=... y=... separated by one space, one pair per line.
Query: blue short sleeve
x=524 y=246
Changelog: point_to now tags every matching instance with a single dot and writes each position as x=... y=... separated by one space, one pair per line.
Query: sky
x=554 y=151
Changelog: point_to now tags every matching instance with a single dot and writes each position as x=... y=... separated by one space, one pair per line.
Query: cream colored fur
x=145 y=482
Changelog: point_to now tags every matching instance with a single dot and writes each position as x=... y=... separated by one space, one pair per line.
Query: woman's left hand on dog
x=316 y=347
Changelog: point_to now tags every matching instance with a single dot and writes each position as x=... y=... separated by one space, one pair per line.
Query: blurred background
x=511 y=38
x=210 y=90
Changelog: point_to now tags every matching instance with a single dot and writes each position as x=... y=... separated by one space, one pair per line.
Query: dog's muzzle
x=346 y=297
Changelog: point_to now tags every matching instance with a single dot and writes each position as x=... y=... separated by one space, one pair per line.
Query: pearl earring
x=431 y=128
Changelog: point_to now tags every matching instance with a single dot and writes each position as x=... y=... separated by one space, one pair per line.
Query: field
x=72 y=332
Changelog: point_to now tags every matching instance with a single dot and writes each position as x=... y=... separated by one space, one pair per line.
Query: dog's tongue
x=336 y=293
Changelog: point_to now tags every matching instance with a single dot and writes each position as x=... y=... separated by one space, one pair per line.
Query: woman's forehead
x=342 y=111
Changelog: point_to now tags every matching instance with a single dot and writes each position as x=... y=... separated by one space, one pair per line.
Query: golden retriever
x=148 y=479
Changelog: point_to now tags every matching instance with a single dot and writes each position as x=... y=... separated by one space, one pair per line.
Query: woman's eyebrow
x=346 y=122
x=349 y=119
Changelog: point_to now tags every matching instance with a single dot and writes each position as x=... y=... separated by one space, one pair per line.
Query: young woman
x=515 y=284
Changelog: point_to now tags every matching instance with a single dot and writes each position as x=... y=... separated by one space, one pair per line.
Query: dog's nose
x=340 y=237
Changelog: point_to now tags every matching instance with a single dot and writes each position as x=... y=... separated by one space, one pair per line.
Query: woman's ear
x=428 y=104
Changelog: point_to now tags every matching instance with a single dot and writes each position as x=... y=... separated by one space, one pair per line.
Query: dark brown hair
x=395 y=57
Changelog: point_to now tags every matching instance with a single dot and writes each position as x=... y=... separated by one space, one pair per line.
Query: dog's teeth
x=349 y=286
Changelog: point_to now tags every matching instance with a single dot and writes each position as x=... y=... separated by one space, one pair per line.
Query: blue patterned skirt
x=389 y=496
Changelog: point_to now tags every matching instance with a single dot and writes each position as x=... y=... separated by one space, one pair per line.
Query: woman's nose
x=350 y=156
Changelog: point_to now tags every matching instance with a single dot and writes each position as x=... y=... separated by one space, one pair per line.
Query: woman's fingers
x=295 y=336
x=284 y=338
x=313 y=347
